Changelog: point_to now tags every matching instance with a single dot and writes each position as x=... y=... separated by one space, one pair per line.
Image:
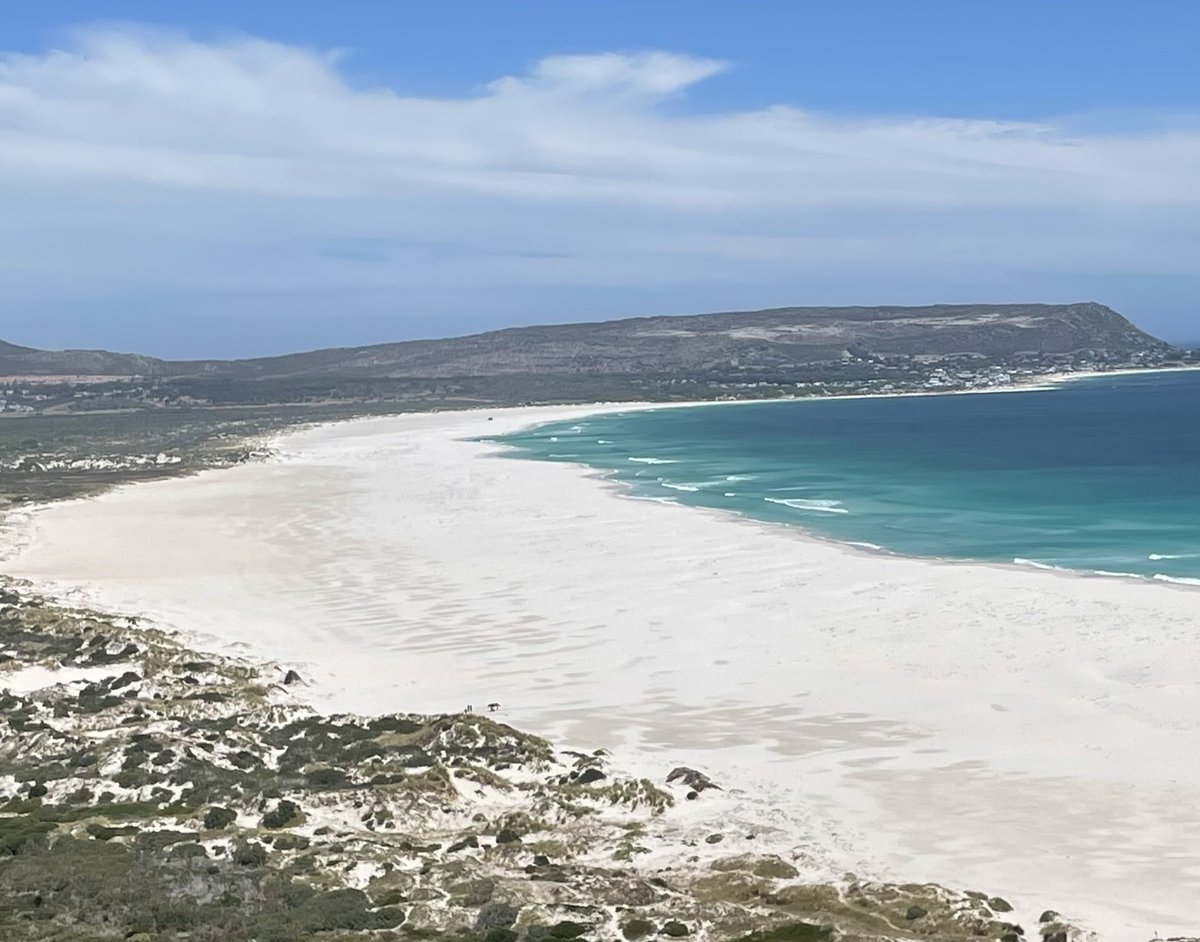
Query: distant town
x=851 y=374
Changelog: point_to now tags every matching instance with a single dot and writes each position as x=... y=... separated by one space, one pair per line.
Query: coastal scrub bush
x=790 y=932
x=326 y=778
x=345 y=909
x=285 y=814
x=15 y=832
x=567 y=930
x=249 y=854
x=188 y=850
x=217 y=818
x=103 y=833
x=155 y=841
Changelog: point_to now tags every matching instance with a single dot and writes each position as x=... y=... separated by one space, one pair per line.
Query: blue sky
x=220 y=178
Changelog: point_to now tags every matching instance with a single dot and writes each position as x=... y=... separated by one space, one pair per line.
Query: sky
x=196 y=179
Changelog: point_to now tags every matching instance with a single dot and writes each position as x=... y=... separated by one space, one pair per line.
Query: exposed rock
x=766 y=866
x=473 y=892
x=635 y=893
x=728 y=888
x=695 y=781
x=496 y=916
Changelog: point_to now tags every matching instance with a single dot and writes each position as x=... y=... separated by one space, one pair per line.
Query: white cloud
x=650 y=74
x=143 y=163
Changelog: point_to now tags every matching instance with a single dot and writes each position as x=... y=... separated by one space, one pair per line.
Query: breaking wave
x=820 y=506
x=1178 y=580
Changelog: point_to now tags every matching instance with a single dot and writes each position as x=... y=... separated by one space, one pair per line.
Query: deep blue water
x=1099 y=475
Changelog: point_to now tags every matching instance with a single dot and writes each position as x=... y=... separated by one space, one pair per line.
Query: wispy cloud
x=135 y=160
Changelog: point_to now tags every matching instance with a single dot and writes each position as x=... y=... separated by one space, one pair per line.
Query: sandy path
x=1027 y=733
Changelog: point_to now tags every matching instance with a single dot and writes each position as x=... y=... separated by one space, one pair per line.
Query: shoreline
x=801 y=532
x=753 y=715
x=1044 y=384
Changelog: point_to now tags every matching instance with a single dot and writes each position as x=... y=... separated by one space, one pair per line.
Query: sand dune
x=1023 y=732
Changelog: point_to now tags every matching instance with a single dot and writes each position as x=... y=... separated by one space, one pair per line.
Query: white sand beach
x=1027 y=733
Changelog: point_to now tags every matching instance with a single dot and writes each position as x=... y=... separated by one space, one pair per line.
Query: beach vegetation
x=632 y=793
x=790 y=932
x=216 y=818
x=121 y=822
x=285 y=814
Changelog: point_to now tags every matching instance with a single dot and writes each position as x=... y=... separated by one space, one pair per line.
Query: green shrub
x=285 y=814
x=344 y=909
x=15 y=832
x=103 y=833
x=217 y=818
x=567 y=930
x=790 y=932
x=326 y=778
x=249 y=854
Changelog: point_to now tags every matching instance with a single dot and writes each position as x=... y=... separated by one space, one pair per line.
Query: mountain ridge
x=772 y=338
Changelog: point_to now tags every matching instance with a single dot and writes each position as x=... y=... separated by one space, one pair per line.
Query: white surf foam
x=1178 y=580
x=820 y=506
x=1036 y=565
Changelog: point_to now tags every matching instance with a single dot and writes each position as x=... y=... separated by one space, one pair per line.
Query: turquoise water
x=1101 y=475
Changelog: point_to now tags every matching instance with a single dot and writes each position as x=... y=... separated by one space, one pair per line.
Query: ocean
x=1100 y=475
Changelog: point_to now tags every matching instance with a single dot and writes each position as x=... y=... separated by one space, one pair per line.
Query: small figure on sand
x=493 y=707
